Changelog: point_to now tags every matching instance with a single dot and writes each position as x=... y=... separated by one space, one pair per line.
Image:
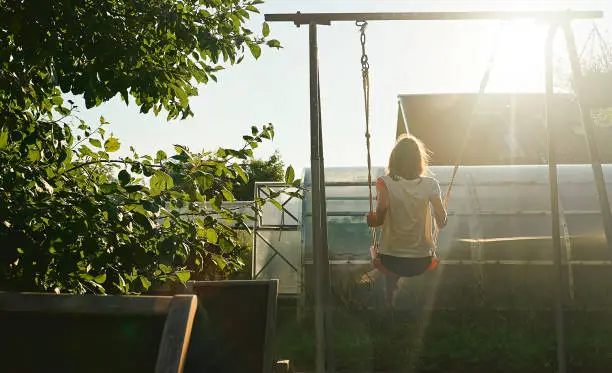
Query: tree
x=154 y=51
x=272 y=169
x=74 y=219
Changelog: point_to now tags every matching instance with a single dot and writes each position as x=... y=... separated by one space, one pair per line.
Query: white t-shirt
x=407 y=229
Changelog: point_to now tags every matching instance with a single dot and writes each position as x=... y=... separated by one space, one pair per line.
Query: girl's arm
x=377 y=218
x=439 y=210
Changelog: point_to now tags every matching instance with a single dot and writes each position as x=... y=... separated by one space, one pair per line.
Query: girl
x=403 y=211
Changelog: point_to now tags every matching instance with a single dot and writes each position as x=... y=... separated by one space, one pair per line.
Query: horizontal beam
x=471 y=213
x=482 y=262
x=326 y=18
x=483 y=183
x=280 y=227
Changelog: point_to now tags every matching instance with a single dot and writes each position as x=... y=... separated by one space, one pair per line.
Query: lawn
x=451 y=341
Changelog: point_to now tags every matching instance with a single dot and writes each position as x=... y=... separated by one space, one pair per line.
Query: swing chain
x=365 y=66
x=365 y=71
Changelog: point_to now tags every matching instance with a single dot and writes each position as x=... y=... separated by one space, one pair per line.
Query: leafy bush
x=74 y=219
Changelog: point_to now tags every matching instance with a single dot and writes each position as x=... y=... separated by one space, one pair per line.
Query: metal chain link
x=365 y=74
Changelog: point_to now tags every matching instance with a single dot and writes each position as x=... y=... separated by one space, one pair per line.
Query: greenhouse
x=497 y=244
x=498 y=237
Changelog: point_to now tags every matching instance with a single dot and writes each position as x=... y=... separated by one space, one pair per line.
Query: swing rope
x=365 y=68
x=365 y=75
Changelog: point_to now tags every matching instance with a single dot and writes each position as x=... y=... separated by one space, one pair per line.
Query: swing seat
x=434 y=262
x=377 y=262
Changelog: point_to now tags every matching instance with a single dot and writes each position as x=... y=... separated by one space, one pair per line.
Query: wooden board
x=87 y=333
x=234 y=326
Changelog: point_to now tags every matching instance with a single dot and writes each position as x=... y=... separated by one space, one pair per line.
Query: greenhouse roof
x=507 y=128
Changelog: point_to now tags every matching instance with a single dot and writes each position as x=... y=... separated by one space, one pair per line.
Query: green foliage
x=68 y=223
x=271 y=169
x=155 y=51
x=72 y=217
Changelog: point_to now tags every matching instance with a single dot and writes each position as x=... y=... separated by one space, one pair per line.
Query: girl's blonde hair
x=409 y=158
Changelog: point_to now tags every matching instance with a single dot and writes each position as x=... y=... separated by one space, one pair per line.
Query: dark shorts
x=405 y=267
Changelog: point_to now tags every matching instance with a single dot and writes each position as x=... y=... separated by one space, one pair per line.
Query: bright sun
x=519 y=64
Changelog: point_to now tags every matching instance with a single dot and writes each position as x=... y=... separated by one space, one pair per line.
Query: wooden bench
x=88 y=333
x=235 y=331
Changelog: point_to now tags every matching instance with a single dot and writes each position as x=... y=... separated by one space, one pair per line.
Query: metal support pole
x=319 y=219
x=589 y=129
x=325 y=268
x=554 y=202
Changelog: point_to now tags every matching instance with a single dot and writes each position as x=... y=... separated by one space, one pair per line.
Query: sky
x=405 y=57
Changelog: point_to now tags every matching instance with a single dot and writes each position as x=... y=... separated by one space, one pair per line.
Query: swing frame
x=555 y=19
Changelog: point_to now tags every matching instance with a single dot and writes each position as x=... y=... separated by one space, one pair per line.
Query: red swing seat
x=384 y=270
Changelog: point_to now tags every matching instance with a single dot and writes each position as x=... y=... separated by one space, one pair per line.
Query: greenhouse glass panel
x=271 y=215
x=277 y=256
x=348 y=238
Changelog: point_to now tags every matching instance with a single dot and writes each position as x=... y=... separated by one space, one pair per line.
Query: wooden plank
x=271 y=316
x=239 y=318
x=83 y=304
x=97 y=334
x=176 y=335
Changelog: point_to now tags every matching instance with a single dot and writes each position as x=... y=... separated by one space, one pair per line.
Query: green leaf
x=205 y=181
x=108 y=188
x=95 y=142
x=145 y=282
x=134 y=188
x=150 y=206
x=240 y=173
x=100 y=278
x=252 y=8
x=34 y=155
x=273 y=43
x=226 y=245
x=4 y=137
x=84 y=150
x=219 y=261
x=227 y=195
x=183 y=276
x=276 y=203
x=147 y=170
x=57 y=100
x=211 y=235
x=181 y=94
x=123 y=286
x=265 y=29
x=289 y=175
x=112 y=144
x=124 y=177
x=165 y=269
x=255 y=50
x=103 y=121
x=160 y=156
x=62 y=110
x=161 y=181
x=216 y=202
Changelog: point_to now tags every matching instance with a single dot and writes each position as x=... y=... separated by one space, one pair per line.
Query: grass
x=451 y=341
